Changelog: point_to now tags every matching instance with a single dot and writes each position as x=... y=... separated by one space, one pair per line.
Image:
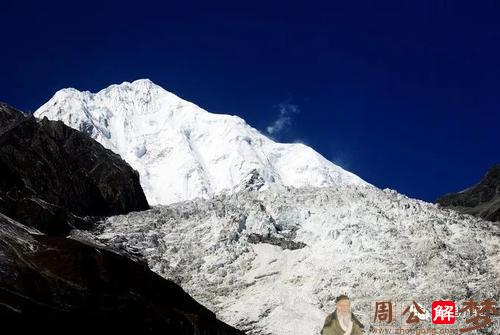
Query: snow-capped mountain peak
x=182 y=151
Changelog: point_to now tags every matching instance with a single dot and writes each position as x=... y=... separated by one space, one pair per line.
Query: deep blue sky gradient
x=406 y=94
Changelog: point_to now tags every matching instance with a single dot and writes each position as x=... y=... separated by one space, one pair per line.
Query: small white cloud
x=284 y=119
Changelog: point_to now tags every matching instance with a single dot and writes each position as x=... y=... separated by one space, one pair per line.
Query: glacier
x=182 y=151
x=273 y=261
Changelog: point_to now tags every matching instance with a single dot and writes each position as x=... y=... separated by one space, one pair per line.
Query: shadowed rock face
x=482 y=200
x=52 y=175
x=283 y=243
x=57 y=284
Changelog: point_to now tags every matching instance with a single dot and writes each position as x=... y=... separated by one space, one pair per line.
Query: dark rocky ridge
x=283 y=243
x=55 y=284
x=52 y=175
x=482 y=199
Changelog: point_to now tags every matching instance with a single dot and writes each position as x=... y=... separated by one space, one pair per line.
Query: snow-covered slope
x=180 y=150
x=273 y=261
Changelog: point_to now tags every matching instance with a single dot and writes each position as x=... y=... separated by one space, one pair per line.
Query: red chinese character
x=480 y=316
x=443 y=312
x=383 y=311
x=415 y=311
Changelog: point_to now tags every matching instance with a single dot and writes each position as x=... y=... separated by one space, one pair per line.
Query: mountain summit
x=182 y=151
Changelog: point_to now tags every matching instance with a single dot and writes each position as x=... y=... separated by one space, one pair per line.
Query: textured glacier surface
x=273 y=261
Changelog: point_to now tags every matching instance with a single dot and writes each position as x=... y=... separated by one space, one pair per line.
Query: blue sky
x=406 y=94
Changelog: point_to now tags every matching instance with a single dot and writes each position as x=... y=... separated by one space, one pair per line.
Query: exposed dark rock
x=55 y=284
x=253 y=182
x=283 y=243
x=54 y=178
x=47 y=217
x=52 y=173
x=482 y=199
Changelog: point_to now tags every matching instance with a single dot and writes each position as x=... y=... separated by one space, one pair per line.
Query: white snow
x=182 y=151
x=361 y=241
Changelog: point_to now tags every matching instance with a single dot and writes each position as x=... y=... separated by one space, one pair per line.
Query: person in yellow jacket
x=342 y=321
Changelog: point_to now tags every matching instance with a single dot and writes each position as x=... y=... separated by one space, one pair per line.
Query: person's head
x=343 y=304
x=343 y=307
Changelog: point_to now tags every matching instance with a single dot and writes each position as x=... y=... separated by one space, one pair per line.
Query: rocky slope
x=55 y=284
x=273 y=261
x=52 y=175
x=482 y=199
x=180 y=150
